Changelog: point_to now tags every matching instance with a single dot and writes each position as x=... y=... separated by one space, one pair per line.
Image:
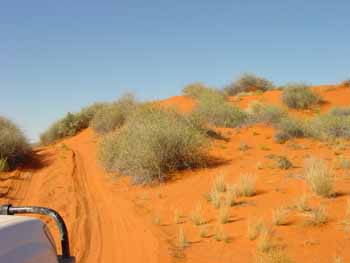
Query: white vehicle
x=26 y=239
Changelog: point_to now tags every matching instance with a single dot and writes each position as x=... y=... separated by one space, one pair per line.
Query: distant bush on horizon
x=71 y=124
x=246 y=83
x=300 y=96
x=197 y=90
x=152 y=144
x=14 y=145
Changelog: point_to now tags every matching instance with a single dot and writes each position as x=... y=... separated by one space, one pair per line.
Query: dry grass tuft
x=254 y=228
x=265 y=240
x=319 y=177
x=177 y=216
x=197 y=216
x=275 y=255
x=280 y=216
x=224 y=215
x=247 y=185
x=203 y=232
x=219 y=183
x=230 y=196
x=182 y=240
x=318 y=216
x=220 y=234
x=301 y=204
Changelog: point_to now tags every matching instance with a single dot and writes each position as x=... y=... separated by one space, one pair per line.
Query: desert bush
x=71 y=124
x=330 y=126
x=13 y=144
x=345 y=83
x=219 y=183
x=264 y=113
x=248 y=83
x=152 y=144
x=113 y=115
x=284 y=163
x=215 y=110
x=299 y=96
x=319 y=177
x=198 y=90
x=291 y=128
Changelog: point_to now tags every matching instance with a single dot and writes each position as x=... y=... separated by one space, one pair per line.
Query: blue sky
x=57 y=56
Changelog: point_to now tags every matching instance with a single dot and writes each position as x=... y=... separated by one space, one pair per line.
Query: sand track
x=103 y=225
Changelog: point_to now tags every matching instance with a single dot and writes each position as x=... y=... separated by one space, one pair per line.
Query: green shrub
x=331 y=127
x=299 y=96
x=113 y=115
x=197 y=90
x=293 y=128
x=215 y=110
x=13 y=144
x=70 y=125
x=248 y=83
x=264 y=113
x=153 y=144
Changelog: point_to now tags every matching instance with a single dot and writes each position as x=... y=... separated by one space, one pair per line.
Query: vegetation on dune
x=247 y=83
x=197 y=90
x=113 y=115
x=331 y=126
x=71 y=124
x=260 y=112
x=152 y=144
x=13 y=145
x=319 y=177
x=214 y=109
x=300 y=96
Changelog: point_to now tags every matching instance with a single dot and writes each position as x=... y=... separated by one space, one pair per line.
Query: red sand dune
x=110 y=220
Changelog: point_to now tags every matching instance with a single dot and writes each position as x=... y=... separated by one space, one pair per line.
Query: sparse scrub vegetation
x=13 y=145
x=275 y=255
x=219 y=183
x=71 y=124
x=254 y=228
x=199 y=90
x=319 y=177
x=264 y=113
x=247 y=185
x=153 y=144
x=299 y=96
x=291 y=128
x=203 y=232
x=214 y=198
x=213 y=109
x=113 y=115
x=283 y=163
x=318 y=216
x=230 y=197
x=177 y=216
x=330 y=126
x=220 y=234
x=301 y=204
x=248 y=83
x=182 y=240
x=197 y=216
x=264 y=242
x=224 y=215
x=280 y=216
